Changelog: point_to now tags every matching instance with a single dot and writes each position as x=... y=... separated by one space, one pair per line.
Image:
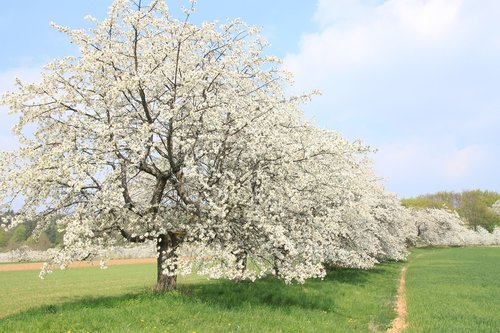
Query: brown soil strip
x=38 y=265
x=399 y=324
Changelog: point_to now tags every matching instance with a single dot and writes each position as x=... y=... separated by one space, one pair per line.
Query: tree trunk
x=241 y=262
x=278 y=262
x=166 y=277
x=276 y=266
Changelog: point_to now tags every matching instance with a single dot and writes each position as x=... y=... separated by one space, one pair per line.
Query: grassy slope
x=117 y=300
x=454 y=290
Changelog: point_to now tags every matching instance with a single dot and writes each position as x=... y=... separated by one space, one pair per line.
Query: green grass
x=21 y=290
x=119 y=300
x=448 y=290
x=454 y=290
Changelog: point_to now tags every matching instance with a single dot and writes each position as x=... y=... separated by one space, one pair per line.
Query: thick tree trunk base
x=167 y=245
x=166 y=283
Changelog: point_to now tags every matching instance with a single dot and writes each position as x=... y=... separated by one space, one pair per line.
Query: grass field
x=118 y=300
x=22 y=290
x=454 y=290
x=448 y=290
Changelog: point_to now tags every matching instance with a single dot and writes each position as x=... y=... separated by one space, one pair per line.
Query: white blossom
x=183 y=135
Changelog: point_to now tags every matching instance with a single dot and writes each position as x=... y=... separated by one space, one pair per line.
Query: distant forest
x=474 y=207
x=24 y=235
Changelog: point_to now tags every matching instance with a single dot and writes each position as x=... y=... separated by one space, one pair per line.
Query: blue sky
x=417 y=79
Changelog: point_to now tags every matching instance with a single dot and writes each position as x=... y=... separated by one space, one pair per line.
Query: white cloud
x=420 y=166
x=460 y=163
x=431 y=19
x=415 y=78
x=360 y=34
x=424 y=159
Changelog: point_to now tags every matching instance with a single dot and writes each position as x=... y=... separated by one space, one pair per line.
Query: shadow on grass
x=315 y=294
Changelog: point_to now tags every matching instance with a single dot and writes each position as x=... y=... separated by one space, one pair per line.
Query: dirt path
x=399 y=324
x=38 y=265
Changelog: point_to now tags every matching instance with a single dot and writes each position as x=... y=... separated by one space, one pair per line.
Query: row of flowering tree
x=180 y=135
x=443 y=227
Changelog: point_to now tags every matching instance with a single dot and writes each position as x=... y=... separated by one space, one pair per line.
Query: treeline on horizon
x=24 y=235
x=473 y=206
